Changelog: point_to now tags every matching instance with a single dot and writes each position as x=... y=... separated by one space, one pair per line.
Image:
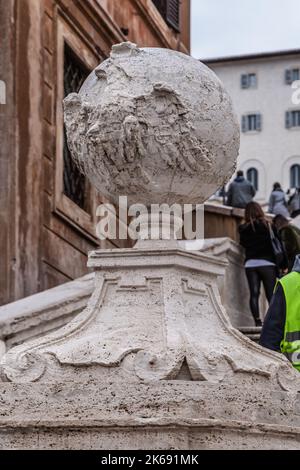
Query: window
x=74 y=183
x=292 y=119
x=295 y=74
x=249 y=80
x=75 y=199
x=295 y=176
x=170 y=11
x=291 y=75
x=252 y=176
x=251 y=122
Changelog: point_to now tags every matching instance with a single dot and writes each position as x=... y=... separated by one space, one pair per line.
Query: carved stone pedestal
x=152 y=362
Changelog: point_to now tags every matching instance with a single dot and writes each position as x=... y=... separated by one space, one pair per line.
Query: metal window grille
x=252 y=80
x=295 y=118
x=74 y=183
x=291 y=75
x=244 y=80
x=252 y=176
x=295 y=74
x=248 y=80
x=295 y=176
x=251 y=122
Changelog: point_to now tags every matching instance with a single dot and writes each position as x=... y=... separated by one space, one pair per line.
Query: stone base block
x=165 y=415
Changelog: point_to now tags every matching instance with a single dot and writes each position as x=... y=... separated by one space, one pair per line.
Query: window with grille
x=170 y=11
x=252 y=176
x=251 y=122
x=74 y=183
x=292 y=119
x=291 y=75
x=249 y=80
x=295 y=176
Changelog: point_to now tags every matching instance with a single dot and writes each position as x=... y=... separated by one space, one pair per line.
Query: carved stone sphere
x=154 y=125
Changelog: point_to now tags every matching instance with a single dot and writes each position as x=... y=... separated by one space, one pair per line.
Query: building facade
x=48 y=47
x=261 y=87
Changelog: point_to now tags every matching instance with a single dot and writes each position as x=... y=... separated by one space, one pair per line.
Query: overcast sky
x=232 y=27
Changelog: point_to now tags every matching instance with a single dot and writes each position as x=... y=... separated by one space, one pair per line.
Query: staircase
x=252 y=332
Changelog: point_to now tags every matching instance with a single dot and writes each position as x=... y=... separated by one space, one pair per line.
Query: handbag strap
x=272 y=234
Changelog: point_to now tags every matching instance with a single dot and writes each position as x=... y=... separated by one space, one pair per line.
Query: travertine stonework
x=153 y=361
x=37 y=315
x=155 y=125
x=152 y=312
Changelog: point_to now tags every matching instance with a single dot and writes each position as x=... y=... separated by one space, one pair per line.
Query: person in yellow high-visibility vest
x=281 y=328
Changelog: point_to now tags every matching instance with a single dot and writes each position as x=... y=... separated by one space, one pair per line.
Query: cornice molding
x=158 y=25
x=97 y=16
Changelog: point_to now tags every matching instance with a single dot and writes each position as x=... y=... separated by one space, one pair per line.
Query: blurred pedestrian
x=260 y=262
x=240 y=192
x=277 y=202
x=290 y=237
x=294 y=204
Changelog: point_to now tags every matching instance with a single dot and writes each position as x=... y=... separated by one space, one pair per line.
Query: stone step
x=252 y=332
x=254 y=337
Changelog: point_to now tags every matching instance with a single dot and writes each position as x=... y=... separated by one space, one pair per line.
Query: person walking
x=290 y=237
x=260 y=262
x=281 y=329
x=294 y=204
x=240 y=192
x=277 y=202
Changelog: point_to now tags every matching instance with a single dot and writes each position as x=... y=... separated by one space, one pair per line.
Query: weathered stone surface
x=154 y=315
x=163 y=415
x=47 y=311
x=155 y=125
x=153 y=361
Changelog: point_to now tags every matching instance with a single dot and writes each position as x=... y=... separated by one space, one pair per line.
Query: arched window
x=295 y=176
x=252 y=176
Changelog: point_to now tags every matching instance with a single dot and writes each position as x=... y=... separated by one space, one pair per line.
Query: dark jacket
x=294 y=204
x=240 y=192
x=290 y=236
x=273 y=328
x=257 y=241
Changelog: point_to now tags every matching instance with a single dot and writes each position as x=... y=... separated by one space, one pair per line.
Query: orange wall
x=146 y=26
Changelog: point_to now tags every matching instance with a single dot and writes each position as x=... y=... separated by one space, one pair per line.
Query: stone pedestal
x=152 y=362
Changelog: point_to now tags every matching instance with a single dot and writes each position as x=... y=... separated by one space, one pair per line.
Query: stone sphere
x=154 y=125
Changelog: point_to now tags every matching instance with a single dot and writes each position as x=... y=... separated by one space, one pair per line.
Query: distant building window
x=74 y=183
x=291 y=75
x=170 y=11
x=252 y=176
x=295 y=176
x=292 y=119
x=249 y=80
x=251 y=122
